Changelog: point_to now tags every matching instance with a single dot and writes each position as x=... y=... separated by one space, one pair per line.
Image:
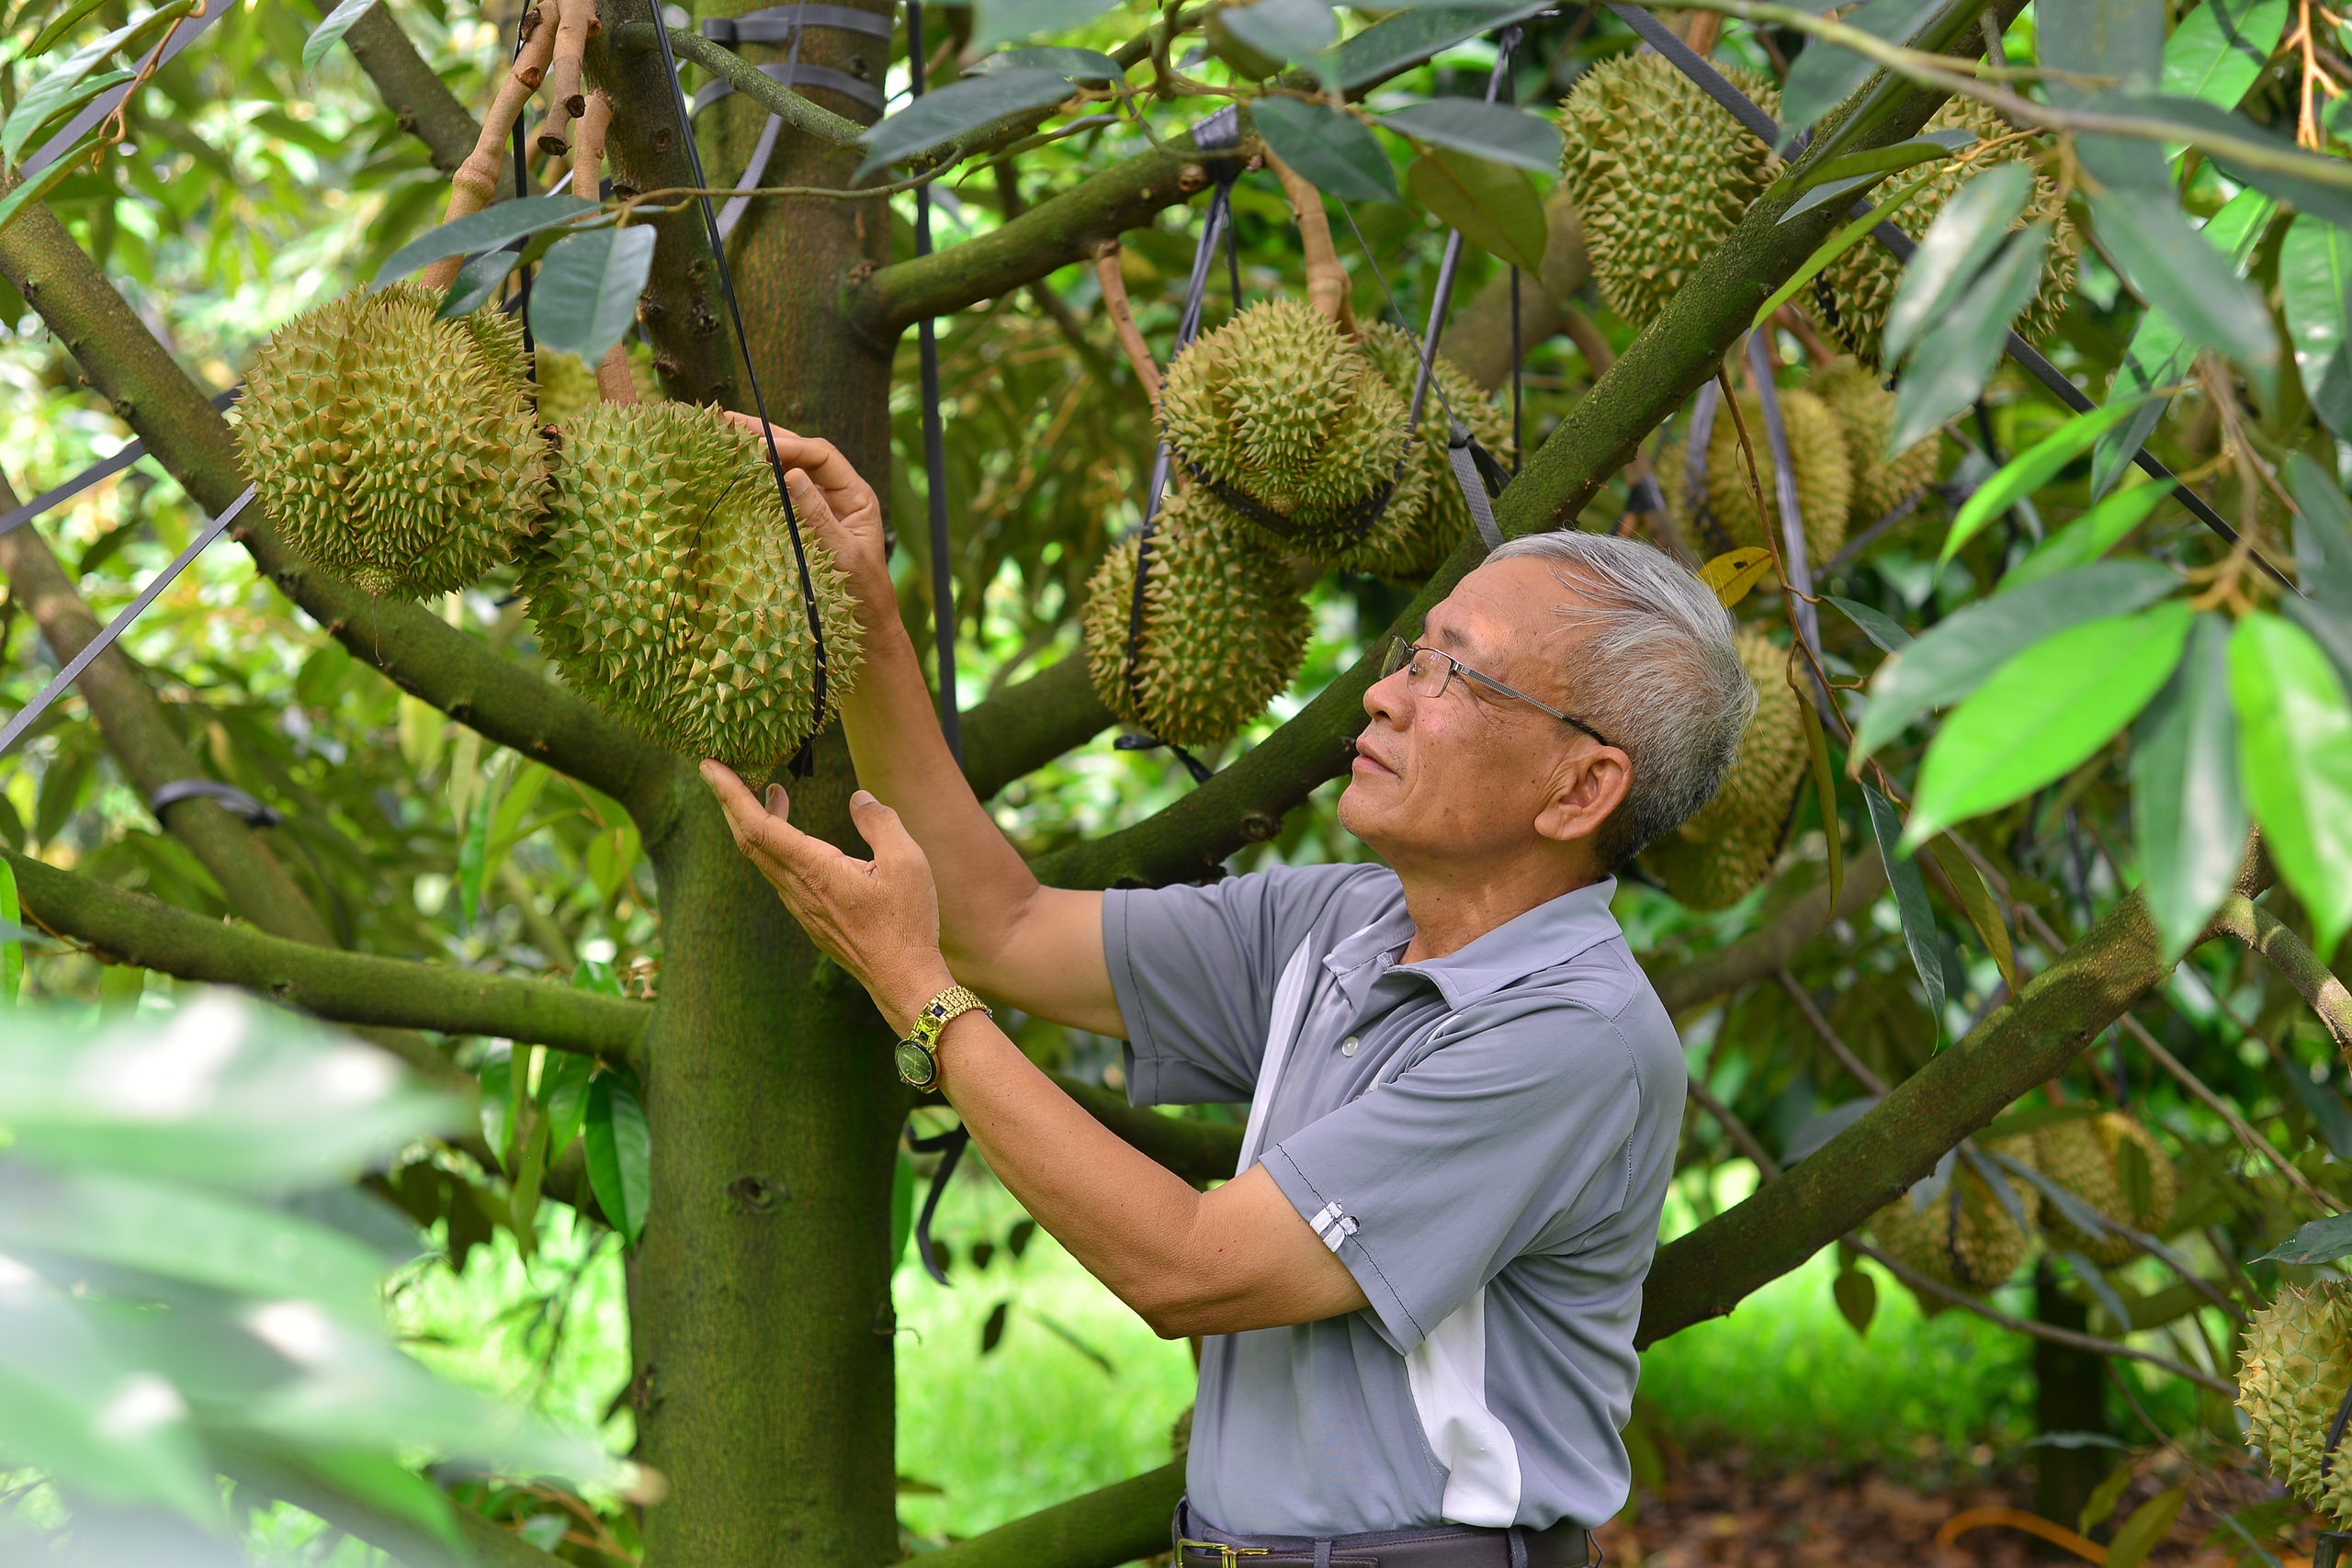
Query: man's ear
x=1590 y=786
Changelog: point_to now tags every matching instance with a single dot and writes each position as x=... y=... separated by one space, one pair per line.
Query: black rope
x=950 y=1147
x=2335 y=1433
x=934 y=445
x=1900 y=245
x=804 y=761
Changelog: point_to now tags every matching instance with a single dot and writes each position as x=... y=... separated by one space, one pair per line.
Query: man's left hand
x=878 y=918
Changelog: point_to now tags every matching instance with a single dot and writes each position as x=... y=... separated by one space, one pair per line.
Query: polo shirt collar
x=1549 y=934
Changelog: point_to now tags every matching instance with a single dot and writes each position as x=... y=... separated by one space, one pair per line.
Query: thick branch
x=1050 y=235
x=421 y=102
x=417 y=650
x=2313 y=981
x=637 y=38
x=1119 y=1524
x=1756 y=955
x=348 y=988
x=150 y=750
x=1029 y=724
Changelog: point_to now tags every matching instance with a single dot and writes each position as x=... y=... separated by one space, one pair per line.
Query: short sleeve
x=1194 y=971
x=1517 y=1133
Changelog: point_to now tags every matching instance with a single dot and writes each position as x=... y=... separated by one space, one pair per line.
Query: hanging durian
x=391 y=447
x=1427 y=516
x=1728 y=847
x=1865 y=410
x=1285 y=410
x=1850 y=299
x=1223 y=631
x=2113 y=1164
x=2292 y=1376
x=1659 y=173
x=1817 y=455
x=667 y=592
x=1962 y=1234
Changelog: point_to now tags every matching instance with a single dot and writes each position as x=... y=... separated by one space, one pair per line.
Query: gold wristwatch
x=918 y=1053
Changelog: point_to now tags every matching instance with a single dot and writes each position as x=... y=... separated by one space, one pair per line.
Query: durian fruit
x=1659 y=173
x=1866 y=411
x=1728 y=846
x=1964 y=1236
x=666 y=591
x=1427 y=516
x=2293 y=1376
x=2088 y=1158
x=1282 y=406
x=393 y=448
x=1852 y=296
x=1223 y=632
x=1817 y=452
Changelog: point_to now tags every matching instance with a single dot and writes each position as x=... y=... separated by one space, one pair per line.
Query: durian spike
x=1327 y=280
x=476 y=181
x=1107 y=272
x=613 y=383
x=576 y=25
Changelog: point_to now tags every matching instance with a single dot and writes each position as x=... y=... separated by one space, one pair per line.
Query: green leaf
x=621 y=1153
x=1089 y=66
x=73 y=103
x=12 y=948
x=2314 y=267
x=939 y=119
x=563 y=1088
x=1331 y=151
x=1857 y=1297
x=1495 y=208
x=38 y=187
x=1948 y=369
x=2186 y=278
x=1955 y=248
x=1879 y=628
x=2030 y=470
x=2188 y=817
x=1932 y=148
x=1952 y=659
x=2295 y=755
x=584 y=300
x=1826 y=74
x=2316 y=1241
x=999 y=21
x=2315 y=184
x=59 y=26
x=484 y=231
x=2331 y=1117
x=338 y=22
x=59 y=1385
x=386 y=1485
x=473 y=859
x=2323 y=534
x=47 y=98
x=1910 y=902
x=1415 y=34
x=1299 y=31
x=477 y=281
x=1495 y=131
x=2088 y=538
x=2217 y=50
x=2147 y=1526
x=2099 y=1506
x=2044 y=714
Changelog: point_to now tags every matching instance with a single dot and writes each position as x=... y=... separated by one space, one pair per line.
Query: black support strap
x=950 y=1147
x=228 y=796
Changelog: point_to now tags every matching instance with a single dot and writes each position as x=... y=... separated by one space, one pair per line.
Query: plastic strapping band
x=1900 y=245
x=794 y=75
x=804 y=761
x=30 y=713
x=1785 y=493
x=228 y=796
x=16 y=517
x=950 y=1147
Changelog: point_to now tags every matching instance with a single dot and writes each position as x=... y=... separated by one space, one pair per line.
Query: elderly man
x=1420 y=1293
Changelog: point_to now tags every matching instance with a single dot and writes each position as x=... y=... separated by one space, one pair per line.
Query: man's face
x=1468 y=774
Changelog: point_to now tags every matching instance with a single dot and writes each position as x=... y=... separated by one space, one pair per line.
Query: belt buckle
x=1226 y=1555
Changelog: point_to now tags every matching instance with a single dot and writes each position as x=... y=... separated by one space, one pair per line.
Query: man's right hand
x=835 y=501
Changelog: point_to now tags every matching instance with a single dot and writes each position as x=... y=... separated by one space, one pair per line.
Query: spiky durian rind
x=1728 y=846
x=1964 y=1236
x=1426 y=517
x=2293 y=1374
x=1865 y=411
x=1817 y=455
x=2084 y=1157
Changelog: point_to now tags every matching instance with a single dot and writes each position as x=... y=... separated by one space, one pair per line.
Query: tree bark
x=2070 y=1395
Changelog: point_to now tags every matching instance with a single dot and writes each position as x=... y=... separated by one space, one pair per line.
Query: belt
x=1199 y=1544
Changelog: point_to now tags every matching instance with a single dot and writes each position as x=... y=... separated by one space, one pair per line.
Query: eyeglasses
x=1429 y=671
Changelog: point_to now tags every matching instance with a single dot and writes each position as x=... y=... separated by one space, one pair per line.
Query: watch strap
x=944 y=1009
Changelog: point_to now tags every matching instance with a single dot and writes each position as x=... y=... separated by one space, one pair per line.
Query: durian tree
x=2008 y=939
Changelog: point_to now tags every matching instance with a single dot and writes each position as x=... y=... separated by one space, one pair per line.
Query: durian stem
x=576 y=25
x=2285 y=952
x=1107 y=272
x=476 y=181
x=1327 y=280
x=613 y=383
x=1706 y=28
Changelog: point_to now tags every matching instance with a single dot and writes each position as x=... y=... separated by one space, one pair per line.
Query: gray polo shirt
x=1484 y=1140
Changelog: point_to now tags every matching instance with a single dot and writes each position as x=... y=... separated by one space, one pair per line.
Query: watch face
x=917 y=1066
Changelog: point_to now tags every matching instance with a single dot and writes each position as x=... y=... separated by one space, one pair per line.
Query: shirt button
x=1348 y=1046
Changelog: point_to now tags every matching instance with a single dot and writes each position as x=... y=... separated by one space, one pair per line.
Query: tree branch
x=2261 y=931
x=421 y=102
x=349 y=987
x=1029 y=724
x=1756 y=955
x=417 y=650
x=1124 y=1521
x=637 y=38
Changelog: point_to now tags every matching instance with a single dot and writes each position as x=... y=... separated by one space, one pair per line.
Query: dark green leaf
x=45 y=99
x=2317 y=1241
x=338 y=22
x=2314 y=269
x=1298 y=31
x=2100 y=1507
x=54 y=32
x=1075 y=64
x=1855 y=231
x=1825 y=76
x=2219 y=48
x=1910 y=902
x=584 y=300
x=620 y=1154
x=2330 y=625
x=2027 y=472
x=2044 y=713
x=2315 y=184
x=1495 y=131
x=563 y=1087
x=937 y=120
x=1954 y=659
x=12 y=946
x=1948 y=369
x=1934 y=147
x=389 y=1486
x=992 y=1331
x=477 y=281
x=2188 y=815
x=996 y=21
x=1410 y=35
x=473 y=859
x=2147 y=1526
x=2323 y=534
x=1495 y=208
x=2295 y=753
x=2088 y=538
x=484 y=231
x=1857 y=1297
x=1879 y=628
x=2330 y=1116
x=2191 y=282
x=1331 y=151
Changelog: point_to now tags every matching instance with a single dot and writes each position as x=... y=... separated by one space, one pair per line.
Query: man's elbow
x=1178 y=1312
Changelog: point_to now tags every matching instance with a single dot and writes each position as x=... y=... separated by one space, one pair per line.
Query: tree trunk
x=2070 y=1395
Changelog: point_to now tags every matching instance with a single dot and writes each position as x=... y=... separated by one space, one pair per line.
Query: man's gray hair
x=1659 y=674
